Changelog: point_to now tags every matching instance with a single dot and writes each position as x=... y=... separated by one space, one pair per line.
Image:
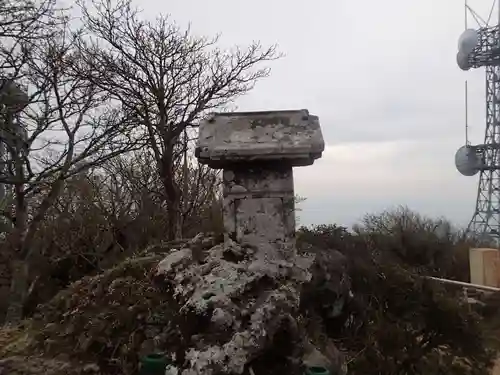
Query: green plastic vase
x=153 y=364
x=317 y=370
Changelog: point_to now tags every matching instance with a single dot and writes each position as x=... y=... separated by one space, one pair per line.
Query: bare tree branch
x=168 y=78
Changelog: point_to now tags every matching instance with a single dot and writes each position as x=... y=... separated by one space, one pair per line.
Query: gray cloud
x=383 y=79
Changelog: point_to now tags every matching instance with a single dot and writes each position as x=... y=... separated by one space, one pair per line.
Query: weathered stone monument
x=236 y=298
x=257 y=151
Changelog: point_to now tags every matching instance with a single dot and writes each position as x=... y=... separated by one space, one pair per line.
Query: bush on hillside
x=396 y=322
x=106 y=319
x=404 y=324
x=424 y=245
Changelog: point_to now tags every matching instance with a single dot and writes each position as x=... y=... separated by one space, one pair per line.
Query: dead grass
x=14 y=340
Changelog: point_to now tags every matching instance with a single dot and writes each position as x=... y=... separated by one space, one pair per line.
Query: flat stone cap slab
x=293 y=137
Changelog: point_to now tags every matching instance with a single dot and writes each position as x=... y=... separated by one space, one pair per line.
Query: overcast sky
x=381 y=76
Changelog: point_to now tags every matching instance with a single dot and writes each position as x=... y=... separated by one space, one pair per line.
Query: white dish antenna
x=467 y=161
x=463 y=61
x=468 y=41
x=466 y=44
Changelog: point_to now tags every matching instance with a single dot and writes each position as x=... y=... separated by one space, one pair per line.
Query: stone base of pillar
x=259 y=209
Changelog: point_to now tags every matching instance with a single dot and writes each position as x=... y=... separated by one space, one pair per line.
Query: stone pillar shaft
x=259 y=205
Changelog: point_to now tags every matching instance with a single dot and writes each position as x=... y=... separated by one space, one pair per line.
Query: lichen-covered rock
x=230 y=308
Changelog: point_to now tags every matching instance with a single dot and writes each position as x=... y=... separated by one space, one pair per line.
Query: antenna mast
x=466 y=11
x=466 y=115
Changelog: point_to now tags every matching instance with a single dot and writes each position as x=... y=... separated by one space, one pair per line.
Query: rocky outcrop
x=232 y=310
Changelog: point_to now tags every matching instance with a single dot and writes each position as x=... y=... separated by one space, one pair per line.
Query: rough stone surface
x=292 y=136
x=232 y=313
x=260 y=214
x=239 y=306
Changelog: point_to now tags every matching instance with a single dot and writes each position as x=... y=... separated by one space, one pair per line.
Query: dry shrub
x=105 y=215
x=106 y=318
x=426 y=245
x=404 y=324
x=395 y=322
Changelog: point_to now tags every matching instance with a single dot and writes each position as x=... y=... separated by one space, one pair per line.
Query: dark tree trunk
x=19 y=266
x=172 y=195
x=18 y=291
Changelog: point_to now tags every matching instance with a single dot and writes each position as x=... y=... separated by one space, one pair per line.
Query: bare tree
x=168 y=78
x=22 y=24
x=68 y=126
x=201 y=190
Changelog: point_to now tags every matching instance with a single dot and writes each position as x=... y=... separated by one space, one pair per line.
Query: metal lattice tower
x=486 y=218
x=481 y=48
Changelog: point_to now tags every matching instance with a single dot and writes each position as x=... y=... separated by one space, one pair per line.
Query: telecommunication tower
x=479 y=48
